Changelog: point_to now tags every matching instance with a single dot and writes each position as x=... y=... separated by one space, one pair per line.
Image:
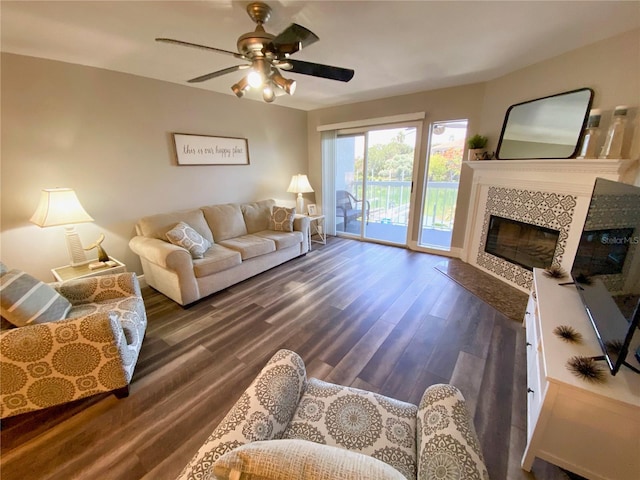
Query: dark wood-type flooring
x=372 y=316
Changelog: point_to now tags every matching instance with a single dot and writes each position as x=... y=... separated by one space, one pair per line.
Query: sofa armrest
x=445 y=430
x=52 y=363
x=87 y=290
x=301 y=223
x=263 y=412
x=162 y=253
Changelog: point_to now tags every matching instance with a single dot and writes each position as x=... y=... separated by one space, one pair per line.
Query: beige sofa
x=243 y=245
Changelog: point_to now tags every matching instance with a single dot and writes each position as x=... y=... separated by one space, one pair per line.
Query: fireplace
x=551 y=194
x=521 y=243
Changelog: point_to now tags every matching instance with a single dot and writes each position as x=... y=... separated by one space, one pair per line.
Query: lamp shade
x=299 y=184
x=59 y=206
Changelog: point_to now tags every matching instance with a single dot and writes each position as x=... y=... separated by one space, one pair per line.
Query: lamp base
x=300 y=204
x=77 y=256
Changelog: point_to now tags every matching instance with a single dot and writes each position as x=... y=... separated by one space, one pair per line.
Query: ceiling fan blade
x=203 y=47
x=317 y=70
x=219 y=73
x=295 y=37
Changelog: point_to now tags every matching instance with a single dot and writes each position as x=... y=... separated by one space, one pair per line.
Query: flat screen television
x=606 y=269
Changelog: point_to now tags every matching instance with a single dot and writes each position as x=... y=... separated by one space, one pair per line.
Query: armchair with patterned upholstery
x=93 y=349
x=347 y=208
x=287 y=427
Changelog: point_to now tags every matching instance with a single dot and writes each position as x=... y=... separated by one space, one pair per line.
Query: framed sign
x=208 y=150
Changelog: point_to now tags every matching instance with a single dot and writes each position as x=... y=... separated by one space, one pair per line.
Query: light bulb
x=268 y=94
x=255 y=79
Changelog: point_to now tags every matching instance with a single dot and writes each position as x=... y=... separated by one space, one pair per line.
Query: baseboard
x=454 y=252
x=142 y=281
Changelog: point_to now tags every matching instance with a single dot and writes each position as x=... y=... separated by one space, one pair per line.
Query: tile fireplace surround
x=548 y=193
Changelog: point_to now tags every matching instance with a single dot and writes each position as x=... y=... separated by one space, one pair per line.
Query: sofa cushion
x=299 y=460
x=186 y=237
x=25 y=300
x=281 y=219
x=256 y=215
x=354 y=419
x=216 y=259
x=282 y=239
x=250 y=246
x=226 y=221
x=157 y=226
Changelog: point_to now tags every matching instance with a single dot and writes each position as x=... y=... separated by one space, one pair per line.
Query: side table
x=317 y=232
x=62 y=274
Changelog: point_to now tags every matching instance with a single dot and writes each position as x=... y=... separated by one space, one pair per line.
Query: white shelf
x=62 y=274
x=592 y=429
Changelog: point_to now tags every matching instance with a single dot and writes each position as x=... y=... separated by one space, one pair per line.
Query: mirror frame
x=544 y=100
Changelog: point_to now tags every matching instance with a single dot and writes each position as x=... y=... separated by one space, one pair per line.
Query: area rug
x=508 y=300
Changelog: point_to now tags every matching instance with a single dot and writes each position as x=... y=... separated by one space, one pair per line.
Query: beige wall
x=108 y=135
x=610 y=67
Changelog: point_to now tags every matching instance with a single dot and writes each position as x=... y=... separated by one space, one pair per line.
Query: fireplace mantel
x=551 y=165
x=522 y=187
x=575 y=176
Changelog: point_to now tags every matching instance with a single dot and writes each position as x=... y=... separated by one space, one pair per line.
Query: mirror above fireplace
x=549 y=127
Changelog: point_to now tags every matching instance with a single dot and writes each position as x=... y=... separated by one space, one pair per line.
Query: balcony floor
x=431 y=237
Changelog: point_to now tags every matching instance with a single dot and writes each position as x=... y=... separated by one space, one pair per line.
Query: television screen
x=606 y=269
x=603 y=252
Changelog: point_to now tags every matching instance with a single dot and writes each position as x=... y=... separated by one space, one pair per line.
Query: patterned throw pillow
x=366 y=422
x=25 y=300
x=282 y=219
x=186 y=237
x=299 y=460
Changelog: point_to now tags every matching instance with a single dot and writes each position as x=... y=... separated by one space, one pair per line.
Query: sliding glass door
x=373 y=182
x=446 y=150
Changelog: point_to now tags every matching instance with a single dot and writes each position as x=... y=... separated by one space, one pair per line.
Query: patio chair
x=347 y=207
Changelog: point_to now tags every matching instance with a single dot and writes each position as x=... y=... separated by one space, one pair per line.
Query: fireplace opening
x=521 y=243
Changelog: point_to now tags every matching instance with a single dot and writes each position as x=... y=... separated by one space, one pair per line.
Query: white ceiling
x=395 y=47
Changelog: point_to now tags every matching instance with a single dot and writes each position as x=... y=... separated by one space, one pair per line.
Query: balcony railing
x=390 y=199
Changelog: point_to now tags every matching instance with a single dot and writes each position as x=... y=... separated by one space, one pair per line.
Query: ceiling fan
x=267 y=54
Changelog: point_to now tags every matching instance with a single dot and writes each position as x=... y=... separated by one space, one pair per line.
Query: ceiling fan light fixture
x=285 y=84
x=263 y=52
x=240 y=87
x=237 y=90
x=292 y=87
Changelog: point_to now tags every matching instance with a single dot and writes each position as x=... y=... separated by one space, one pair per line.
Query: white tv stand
x=592 y=429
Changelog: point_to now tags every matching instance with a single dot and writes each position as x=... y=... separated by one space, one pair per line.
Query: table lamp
x=60 y=206
x=299 y=184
